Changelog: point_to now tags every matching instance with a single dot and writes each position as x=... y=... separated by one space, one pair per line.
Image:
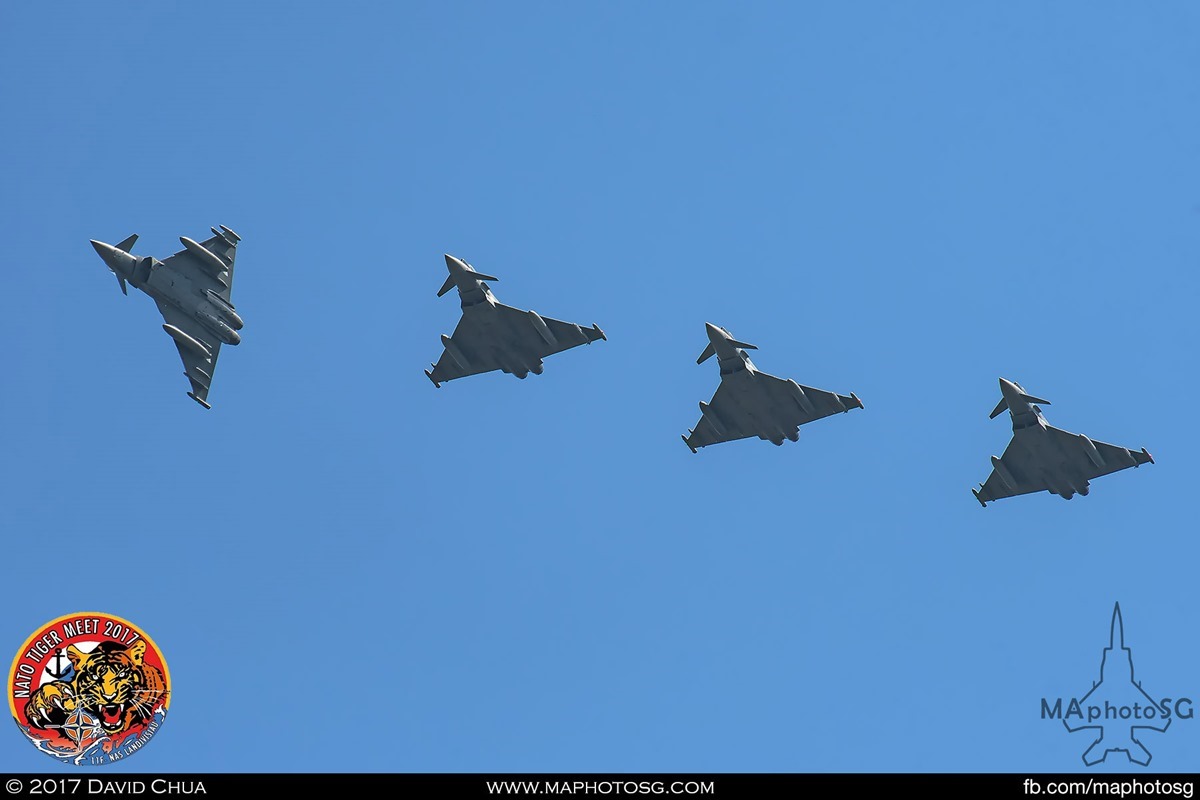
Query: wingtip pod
x=1149 y=457
x=429 y=375
x=198 y=400
x=689 y=444
x=599 y=332
x=229 y=237
x=857 y=402
x=977 y=497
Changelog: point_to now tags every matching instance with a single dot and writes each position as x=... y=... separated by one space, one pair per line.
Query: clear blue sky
x=349 y=570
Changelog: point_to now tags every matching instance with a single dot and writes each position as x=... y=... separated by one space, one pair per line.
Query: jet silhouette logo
x=1117 y=710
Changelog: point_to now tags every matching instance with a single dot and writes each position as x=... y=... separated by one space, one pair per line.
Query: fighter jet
x=191 y=290
x=1042 y=457
x=753 y=403
x=493 y=336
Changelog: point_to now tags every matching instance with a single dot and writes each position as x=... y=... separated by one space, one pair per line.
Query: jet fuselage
x=168 y=286
x=480 y=314
x=740 y=378
x=1030 y=433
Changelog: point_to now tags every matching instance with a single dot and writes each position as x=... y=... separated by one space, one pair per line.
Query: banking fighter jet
x=752 y=403
x=191 y=290
x=491 y=335
x=1042 y=457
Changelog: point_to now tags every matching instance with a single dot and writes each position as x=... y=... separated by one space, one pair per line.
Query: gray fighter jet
x=753 y=403
x=191 y=290
x=493 y=336
x=1042 y=457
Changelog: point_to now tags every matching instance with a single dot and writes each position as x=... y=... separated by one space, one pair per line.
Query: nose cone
x=114 y=258
x=103 y=250
x=1008 y=388
x=714 y=333
x=453 y=263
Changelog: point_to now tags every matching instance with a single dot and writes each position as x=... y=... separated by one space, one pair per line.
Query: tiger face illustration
x=112 y=683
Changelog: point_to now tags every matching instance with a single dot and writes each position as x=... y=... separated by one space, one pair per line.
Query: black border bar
x=86 y=782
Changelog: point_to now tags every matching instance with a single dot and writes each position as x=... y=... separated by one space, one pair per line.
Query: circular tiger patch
x=89 y=689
